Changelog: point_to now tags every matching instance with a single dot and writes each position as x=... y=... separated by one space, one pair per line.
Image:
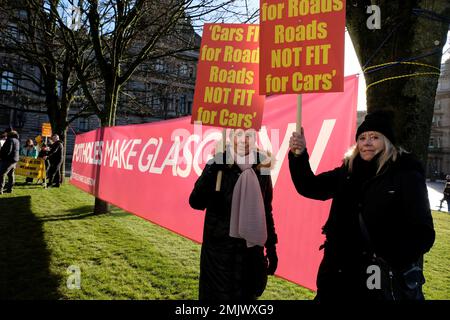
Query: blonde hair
x=390 y=152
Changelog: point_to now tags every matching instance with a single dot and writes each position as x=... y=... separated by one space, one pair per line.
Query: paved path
x=435 y=195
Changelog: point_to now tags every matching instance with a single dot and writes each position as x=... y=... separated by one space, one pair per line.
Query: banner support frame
x=299 y=118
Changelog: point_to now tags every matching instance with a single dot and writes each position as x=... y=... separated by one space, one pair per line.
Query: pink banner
x=150 y=170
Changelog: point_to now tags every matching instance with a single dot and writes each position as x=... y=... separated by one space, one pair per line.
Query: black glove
x=271 y=254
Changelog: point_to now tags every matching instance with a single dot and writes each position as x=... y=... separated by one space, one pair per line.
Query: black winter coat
x=446 y=191
x=394 y=206
x=56 y=152
x=228 y=269
x=10 y=149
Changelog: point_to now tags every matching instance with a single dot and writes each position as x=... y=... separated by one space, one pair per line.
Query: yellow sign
x=31 y=167
x=46 y=129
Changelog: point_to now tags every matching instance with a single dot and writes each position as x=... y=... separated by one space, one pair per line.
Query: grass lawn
x=121 y=256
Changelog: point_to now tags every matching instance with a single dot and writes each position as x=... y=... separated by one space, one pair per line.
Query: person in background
x=9 y=156
x=446 y=194
x=380 y=216
x=55 y=158
x=238 y=222
x=43 y=153
x=29 y=150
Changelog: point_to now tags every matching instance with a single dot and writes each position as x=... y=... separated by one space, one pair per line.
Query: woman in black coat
x=379 y=218
x=238 y=223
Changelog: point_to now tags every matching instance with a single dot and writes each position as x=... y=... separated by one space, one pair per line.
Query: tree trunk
x=63 y=138
x=101 y=207
x=57 y=113
x=404 y=36
x=60 y=125
x=111 y=98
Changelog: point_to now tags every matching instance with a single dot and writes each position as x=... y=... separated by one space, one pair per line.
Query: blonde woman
x=380 y=223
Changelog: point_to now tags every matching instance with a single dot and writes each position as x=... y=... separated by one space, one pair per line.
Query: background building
x=439 y=146
x=159 y=89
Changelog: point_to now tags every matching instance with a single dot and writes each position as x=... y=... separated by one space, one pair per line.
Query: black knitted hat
x=380 y=121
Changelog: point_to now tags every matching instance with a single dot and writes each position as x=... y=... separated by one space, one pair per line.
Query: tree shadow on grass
x=71 y=214
x=81 y=213
x=24 y=257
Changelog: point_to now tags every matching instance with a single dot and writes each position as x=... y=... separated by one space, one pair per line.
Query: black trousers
x=7 y=169
x=446 y=199
x=54 y=173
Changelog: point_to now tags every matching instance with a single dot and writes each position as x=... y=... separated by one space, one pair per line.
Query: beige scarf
x=248 y=218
